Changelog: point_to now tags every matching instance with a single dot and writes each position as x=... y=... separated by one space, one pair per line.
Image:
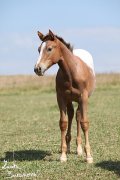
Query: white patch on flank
x=41 y=52
x=86 y=57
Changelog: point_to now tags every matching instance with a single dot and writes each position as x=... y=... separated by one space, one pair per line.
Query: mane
x=68 y=45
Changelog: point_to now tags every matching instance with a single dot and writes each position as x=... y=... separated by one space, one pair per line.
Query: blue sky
x=93 y=25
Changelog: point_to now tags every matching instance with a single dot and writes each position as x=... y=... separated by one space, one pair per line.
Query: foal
x=75 y=81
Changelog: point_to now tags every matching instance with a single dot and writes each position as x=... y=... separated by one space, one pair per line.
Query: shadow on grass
x=26 y=155
x=110 y=166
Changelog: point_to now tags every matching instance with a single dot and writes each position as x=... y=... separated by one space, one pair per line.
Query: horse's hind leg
x=70 y=112
x=78 y=140
x=85 y=126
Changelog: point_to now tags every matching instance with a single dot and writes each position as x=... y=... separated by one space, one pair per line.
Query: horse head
x=49 y=53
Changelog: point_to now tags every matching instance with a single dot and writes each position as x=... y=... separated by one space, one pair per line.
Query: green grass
x=30 y=135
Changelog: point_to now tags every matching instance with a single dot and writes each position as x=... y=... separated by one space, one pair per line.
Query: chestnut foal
x=75 y=81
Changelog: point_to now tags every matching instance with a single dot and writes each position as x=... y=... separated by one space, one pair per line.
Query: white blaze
x=86 y=57
x=41 y=52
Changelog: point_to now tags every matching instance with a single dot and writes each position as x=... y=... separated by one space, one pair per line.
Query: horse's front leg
x=70 y=112
x=85 y=126
x=63 y=127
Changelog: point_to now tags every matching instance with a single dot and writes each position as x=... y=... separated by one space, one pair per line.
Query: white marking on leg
x=41 y=52
x=79 y=150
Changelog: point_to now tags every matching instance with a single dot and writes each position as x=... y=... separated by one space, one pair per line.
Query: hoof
x=79 y=154
x=89 y=160
x=63 y=158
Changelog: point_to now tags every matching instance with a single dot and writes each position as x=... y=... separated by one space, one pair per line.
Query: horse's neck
x=66 y=63
x=67 y=57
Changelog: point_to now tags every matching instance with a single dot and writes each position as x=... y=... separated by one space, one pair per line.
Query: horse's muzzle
x=38 y=71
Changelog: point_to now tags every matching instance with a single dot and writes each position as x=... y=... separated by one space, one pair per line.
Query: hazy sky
x=93 y=25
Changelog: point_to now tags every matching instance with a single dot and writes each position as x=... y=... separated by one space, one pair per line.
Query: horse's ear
x=41 y=36
x=51 y=34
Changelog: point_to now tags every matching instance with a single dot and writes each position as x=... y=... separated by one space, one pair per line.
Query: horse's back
x=86 y=57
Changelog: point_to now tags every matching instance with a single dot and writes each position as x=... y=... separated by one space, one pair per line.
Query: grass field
x=30 y=135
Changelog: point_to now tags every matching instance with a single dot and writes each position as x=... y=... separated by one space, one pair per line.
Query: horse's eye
x=49 y=49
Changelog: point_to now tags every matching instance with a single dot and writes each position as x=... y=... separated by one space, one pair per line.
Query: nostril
x=39 y=69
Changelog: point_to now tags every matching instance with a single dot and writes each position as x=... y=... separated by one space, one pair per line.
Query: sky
x=93 y=25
